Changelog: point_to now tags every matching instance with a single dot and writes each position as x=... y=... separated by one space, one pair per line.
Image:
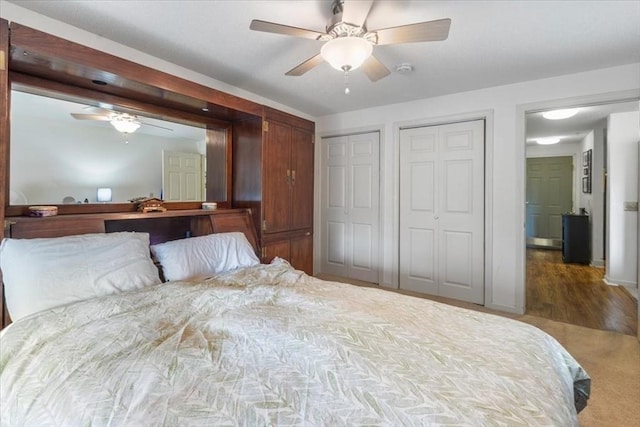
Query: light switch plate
x=631 y=206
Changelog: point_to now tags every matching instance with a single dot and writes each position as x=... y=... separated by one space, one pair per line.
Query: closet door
x=350 y=206
x=442 y=210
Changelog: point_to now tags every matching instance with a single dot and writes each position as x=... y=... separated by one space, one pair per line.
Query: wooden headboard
x=161 y=226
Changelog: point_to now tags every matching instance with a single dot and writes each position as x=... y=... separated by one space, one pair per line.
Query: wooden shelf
x=162 y=226
x=116 y=216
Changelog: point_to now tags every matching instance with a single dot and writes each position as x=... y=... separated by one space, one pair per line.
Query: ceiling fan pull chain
x=346 y=81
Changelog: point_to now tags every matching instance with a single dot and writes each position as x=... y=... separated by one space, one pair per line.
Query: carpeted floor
x=613 y=362
x=611 y=359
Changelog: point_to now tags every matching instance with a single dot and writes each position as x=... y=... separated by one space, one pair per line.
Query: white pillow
x=39 y=274
x=203 y=256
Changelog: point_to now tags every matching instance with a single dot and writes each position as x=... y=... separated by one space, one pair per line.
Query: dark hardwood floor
x=576 y=294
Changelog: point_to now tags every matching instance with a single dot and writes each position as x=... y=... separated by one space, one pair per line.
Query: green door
x=549 y=195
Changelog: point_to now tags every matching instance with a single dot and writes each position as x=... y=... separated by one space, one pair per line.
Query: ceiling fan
x=349 y=44
x=123 y=122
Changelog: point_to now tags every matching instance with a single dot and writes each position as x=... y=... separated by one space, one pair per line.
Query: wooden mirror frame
x=31 y=58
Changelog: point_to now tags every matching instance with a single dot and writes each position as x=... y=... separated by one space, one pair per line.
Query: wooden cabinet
x=576 y=242
x=298 y=250
x=273 y=175
x=288 y=178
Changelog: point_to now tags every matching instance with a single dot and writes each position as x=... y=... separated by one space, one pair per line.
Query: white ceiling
x=490 y=43
x=27 y=107
x=574 y=129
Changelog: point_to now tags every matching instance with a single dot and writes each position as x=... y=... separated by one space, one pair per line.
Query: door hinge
x=264 y=252
x=264 y=225
x=265 y=126
x=3 y=59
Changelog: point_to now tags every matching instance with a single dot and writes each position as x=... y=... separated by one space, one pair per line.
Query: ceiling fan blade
x=271 y=27
x=356 y=12
x=420 y=32
x=91 y=117
x=305 y=66
x=156 y=126
x=374 y=69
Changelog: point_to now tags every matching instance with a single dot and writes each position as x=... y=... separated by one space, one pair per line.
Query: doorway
x=573 y=293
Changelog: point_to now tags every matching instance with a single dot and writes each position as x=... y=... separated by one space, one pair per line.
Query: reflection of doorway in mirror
x=181 y=176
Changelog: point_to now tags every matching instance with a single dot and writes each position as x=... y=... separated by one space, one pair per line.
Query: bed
x=229 y=341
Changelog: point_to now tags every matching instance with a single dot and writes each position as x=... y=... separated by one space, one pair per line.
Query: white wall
x=622 y=239
x=596 y=209
x=505 y=156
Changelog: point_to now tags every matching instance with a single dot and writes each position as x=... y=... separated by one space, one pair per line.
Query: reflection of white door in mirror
x=181 y=176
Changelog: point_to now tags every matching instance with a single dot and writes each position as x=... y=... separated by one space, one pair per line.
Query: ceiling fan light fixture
x=346 y=53
x=125 y=124
x=560 y=114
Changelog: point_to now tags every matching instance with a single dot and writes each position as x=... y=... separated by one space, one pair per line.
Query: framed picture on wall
x=586 y=158
x=586 y=184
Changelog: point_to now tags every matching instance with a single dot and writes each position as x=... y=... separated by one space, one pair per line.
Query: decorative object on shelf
x=586 y=171
x=42 y=211
x=151 y=204
x=209 y=206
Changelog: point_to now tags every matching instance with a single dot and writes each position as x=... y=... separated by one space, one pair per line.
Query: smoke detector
x=404 y=68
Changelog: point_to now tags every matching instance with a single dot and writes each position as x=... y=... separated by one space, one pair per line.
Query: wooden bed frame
x=161 y=226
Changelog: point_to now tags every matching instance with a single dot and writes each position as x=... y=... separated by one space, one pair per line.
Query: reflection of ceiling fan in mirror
x=123 y=122
x=349 y=45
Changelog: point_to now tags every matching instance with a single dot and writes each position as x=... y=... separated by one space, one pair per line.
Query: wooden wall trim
x=32 y=84
x=281 y=116
x=64 y=50
x=4 y=139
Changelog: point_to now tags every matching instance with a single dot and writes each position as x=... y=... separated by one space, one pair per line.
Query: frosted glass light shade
x=346 y=53
x=104 y=195
x=548 y=141
x=125 y=124
x=560 y=114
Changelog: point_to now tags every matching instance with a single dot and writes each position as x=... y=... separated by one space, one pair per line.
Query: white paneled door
x=442 y=210
x=350 y=206
x=182 y=176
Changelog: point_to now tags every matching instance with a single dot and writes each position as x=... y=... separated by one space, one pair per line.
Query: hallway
x=576 y=294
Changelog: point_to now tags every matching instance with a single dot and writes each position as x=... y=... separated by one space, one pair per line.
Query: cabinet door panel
x=302 y=189
x=277 y=178
x=302 y=253
x=280 y=249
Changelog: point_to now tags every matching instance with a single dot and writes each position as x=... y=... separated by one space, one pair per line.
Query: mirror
x=57 y=158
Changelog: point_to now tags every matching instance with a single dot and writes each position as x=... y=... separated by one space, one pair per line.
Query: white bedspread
x=268 y=345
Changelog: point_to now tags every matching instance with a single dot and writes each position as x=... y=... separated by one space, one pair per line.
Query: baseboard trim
x=505 y=308
x=616 y=282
